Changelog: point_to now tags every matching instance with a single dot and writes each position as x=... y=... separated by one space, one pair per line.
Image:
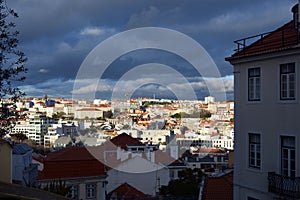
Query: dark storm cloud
x=57 y=35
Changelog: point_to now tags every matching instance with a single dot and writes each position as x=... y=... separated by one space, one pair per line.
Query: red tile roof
x=2 y=141
x=285 y=37
x=127 y=192
x=18 y=136
x=71 y=153
x=163 y=157
x=88 y=109
x=218 y=187
x=71 y=162
x=123 y=139
x=209 y=150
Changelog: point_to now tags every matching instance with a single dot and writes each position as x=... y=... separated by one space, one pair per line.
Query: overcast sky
x=58 y=35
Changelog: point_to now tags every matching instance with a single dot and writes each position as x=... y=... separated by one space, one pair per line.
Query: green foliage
x=205 y=114
x=149 y=103
x=58 y=187
x=186 y=186
x=11 y=66
x=58 y=115
x=108 y=114
x=176 y=115
x=231 y=119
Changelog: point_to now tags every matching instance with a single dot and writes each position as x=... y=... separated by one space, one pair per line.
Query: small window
x=90 y=191
x=287 y=81
x=254 y=84
x=254 y=150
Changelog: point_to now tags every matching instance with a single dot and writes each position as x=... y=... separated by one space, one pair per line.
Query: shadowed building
x=267 y=93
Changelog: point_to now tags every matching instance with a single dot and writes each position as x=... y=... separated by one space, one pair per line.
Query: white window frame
x=290 y=147
x=255 y=148
x=91 y=190
x=74 y=191
x=289 y=74
x=254 y=84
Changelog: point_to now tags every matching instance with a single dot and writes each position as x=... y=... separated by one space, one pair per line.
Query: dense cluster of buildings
x=116 y=144
x=129 y=149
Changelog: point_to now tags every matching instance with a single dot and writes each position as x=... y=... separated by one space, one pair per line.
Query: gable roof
x=283 y=38
x=218 y=187
x=74 y=153
x=126 y=192
x=123 y=140
x=71 y=162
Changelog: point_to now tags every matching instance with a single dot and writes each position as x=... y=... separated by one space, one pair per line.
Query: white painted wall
x=139 y=173
x=270 y=117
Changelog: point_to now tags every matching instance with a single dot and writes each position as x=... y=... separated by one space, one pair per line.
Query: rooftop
x=124 y=139
x=284 y=38
x=71 y=162
x=126 y=192
x=218 y=187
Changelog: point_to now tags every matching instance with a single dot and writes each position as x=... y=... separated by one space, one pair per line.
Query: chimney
x=295 y=11
x=296 y=17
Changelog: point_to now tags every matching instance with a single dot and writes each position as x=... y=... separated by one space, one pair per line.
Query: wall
x=270 y=117
x=5 y=163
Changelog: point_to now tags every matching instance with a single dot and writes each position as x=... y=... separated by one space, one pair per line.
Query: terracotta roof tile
x=285 y=37
x=3 y=141
x=71 y=153
x=72 y=162
x=209 y=150
x=218 y=188
x=123 y=139
x=89 y=109
x=127 y=192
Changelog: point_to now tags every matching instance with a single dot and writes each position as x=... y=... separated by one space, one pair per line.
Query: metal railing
x=284 y=38
x=284 y=186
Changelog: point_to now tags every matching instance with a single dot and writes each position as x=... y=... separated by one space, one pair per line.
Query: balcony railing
x=279 y=39
x=283 y=185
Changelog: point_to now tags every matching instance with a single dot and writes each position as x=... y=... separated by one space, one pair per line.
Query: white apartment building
x=34 y=128
x=267 y=113
x=209 y=99
x=206 y=141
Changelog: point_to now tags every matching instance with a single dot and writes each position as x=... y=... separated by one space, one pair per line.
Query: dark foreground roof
x=218 y=188
x=127 y=192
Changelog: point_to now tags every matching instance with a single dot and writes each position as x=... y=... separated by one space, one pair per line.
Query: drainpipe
x=298 y=24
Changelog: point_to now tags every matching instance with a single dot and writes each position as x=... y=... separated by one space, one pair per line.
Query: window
x=73 y=193
x=288 y=156
x=90 y=191
x=287 y=81
x=254 y=84
x=254 y=150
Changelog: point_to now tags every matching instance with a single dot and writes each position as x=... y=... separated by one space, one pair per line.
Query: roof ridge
x=60 y=153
